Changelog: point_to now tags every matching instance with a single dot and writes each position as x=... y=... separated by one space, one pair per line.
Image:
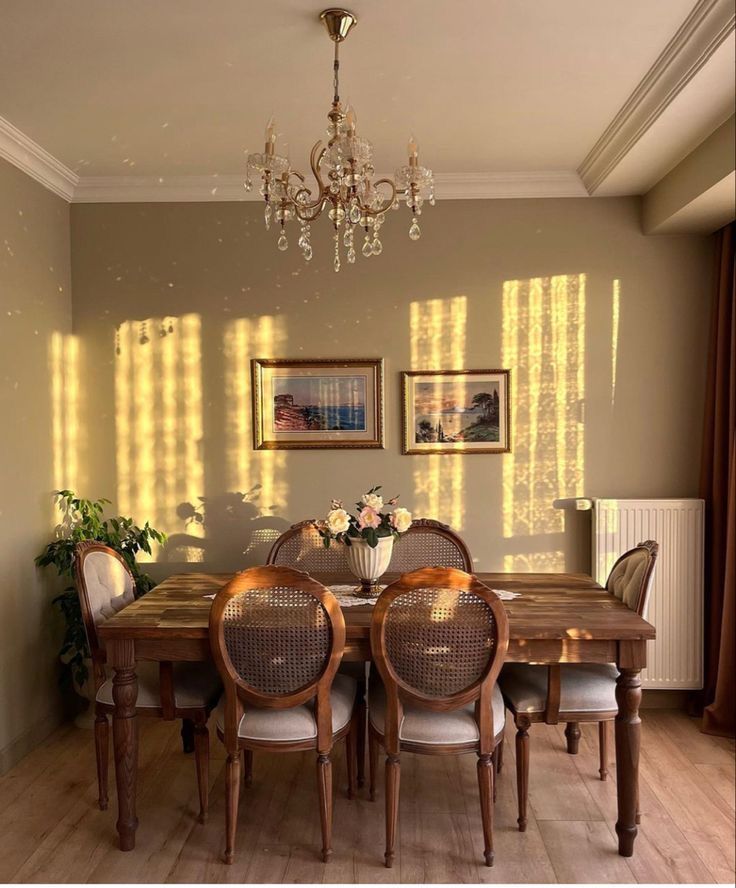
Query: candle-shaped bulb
x=351 y=119
x=413 y=150
x=271 y=132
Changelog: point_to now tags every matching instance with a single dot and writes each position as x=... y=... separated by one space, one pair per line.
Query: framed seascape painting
x=456 y=411
x=305 y=404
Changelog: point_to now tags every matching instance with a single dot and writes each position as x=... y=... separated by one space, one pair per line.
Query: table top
x=551 y=606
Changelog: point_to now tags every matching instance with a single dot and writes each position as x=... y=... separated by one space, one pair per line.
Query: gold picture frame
x=305 y=404
x=456 y=411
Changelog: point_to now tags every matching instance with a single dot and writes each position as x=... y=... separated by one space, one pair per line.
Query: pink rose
x=368 y=517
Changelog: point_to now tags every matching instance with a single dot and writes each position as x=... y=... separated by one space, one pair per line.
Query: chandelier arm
x=388 y=201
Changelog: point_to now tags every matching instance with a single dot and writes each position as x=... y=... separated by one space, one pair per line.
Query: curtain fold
x=718 y=488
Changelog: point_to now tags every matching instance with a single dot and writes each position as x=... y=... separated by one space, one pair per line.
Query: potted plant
x=83 y=519
x=368 y=535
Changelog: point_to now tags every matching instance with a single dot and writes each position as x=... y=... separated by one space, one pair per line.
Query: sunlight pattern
x=245 y=339
x=65 y=410
x=438 y=330
x=544 y=345
x=158 y=410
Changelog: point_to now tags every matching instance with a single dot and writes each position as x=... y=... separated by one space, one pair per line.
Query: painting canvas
x=456 y=411
x=317 y=403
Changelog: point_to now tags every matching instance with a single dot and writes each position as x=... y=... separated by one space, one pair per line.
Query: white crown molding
x=449 y=186
x=20 y=150
x=700 y=35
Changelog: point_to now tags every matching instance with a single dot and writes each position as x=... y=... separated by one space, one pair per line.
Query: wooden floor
x=51 y=830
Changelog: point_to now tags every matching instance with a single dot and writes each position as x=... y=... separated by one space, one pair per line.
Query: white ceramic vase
x=369 y=564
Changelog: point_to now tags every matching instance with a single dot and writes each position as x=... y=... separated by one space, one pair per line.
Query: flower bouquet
x=367 y=535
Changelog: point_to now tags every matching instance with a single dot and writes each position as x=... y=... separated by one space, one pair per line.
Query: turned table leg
x=121 y=655
x=628 y=738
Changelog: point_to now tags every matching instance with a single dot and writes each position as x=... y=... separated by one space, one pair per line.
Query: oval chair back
x=438 y=638
x=428 y=542
x=301 y=547
x=630 y=579
x=105 y=585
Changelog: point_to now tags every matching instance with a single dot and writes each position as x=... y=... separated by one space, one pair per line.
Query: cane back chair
x=429 y=543
x=438 y=638
x=580 y=692
x=301 y=547
x=277 y=637
x=189 y=691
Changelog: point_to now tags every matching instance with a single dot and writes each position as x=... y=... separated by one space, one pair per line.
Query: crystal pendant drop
x=367 y=249
x=267 y=216
x=336 y=263
x=354 y=214
x=351 y=255
x=377 y=247
x=248 y=184
x=347 y=237
x=415 y=231
x=308 y=252
x=282 y=243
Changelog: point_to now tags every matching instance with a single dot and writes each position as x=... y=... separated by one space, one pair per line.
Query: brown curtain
x=718 y=488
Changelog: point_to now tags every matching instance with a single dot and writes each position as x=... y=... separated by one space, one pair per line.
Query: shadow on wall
x=238 y=532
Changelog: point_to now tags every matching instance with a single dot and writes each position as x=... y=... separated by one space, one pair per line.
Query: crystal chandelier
x=343 y=170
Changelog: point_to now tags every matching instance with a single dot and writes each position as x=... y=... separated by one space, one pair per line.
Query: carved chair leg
x=362 y=729
x=324 y=786
x=351 y=752
x=603 y=749
x=393 y=775
x=232 y=792
x=187 y=735
x=487 y=787
x=522 y=771
x=247 y=768
x=202 y=761
x=102 y=754
x=373 y=762
x=572 y=732
x=499 y=754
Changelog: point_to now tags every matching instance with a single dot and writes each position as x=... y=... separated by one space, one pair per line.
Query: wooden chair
x=429 y=543
x=277 y=637
x=438 y=638
x=575 y=693
x=188 y=691
x=301 y=547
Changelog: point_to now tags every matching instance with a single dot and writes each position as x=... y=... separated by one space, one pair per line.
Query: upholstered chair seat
x=583 y=688
x=296 y=723
x=196 y=686
x=428 y=726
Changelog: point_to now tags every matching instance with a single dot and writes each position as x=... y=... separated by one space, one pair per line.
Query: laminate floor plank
x=52 y=831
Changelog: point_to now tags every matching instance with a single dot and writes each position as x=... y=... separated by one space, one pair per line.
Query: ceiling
x=491 y=88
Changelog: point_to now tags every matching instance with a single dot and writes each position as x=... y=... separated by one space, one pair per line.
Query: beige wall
x=604 y=331
x=35 y=323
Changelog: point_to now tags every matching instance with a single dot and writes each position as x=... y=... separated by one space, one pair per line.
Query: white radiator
x=675 y=659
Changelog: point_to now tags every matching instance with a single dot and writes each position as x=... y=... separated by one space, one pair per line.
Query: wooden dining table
x=557 y=618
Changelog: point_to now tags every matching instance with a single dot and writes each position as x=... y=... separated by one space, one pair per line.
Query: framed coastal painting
x=456 y=411
x=304 y=404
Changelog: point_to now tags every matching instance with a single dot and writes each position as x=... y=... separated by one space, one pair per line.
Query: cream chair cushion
x=296 y=723
x=625 y=580
x=109 y=585
x=430 y=727
x=583 y=688
x=196 y=685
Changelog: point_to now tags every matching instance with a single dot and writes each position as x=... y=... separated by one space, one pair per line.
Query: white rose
x=338 y=521
x=401 y=519
x=373 y=501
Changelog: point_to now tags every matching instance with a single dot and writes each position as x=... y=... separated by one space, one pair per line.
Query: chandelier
x=343 y=170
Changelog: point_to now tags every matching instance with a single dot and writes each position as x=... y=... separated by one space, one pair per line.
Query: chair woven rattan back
x=301 y=547
x=277 y=636
x=429 y=543
x=439 y=637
